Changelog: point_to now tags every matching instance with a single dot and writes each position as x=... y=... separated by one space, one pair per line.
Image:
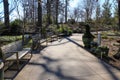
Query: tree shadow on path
x=107 y=67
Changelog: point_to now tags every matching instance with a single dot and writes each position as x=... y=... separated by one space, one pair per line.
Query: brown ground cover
x=113 y=45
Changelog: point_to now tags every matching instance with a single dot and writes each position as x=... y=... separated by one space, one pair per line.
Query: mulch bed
x=113 y=46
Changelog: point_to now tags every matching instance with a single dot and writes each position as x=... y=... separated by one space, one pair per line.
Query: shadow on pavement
x=11 y=72
x=57 y=73
x=107 y=68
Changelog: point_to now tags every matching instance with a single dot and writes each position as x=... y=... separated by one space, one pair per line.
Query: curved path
x=65 y=59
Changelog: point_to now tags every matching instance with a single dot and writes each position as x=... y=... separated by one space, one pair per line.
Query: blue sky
x=73 y=4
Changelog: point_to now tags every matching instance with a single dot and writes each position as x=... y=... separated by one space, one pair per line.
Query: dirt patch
x=113 y=46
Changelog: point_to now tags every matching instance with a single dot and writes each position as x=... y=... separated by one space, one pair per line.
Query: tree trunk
x=49 y=12
x=66 y=4
x=119 y=12
x=39 y=27
x=6 y=13
x=57 y=4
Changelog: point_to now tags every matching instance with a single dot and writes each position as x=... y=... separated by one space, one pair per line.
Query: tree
x=119 y=12
x=49 y=11
x=116 y=14
x=66 y=9
x=66 y=5
x=6 y=13
x=106 y=13
x=89 y=6
x=98 y=11
x=77 y=14
x=39 y=15
x=57 y=7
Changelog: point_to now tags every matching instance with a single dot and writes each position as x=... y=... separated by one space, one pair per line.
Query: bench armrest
x=17 y=56
x=15 y=52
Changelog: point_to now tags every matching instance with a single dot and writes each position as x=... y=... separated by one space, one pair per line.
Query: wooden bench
x=60 y=35
x=14 y=52
x=54 y=37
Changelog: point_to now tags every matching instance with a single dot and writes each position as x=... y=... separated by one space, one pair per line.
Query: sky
x=73 y=4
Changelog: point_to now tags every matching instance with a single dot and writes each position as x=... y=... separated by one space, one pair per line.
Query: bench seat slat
x=20 y=54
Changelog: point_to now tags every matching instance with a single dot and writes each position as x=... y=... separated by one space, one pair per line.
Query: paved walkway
x=66 y=60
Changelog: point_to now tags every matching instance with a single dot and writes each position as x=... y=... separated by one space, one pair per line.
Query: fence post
x=99 y=38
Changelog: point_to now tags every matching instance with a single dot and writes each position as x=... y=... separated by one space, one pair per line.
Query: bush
x=104 y=36
x=94 y=44
x=101 y=50
x=77 y=30
x=16 y=27
x=71 y=21
x=65 y=30
x=87 y=37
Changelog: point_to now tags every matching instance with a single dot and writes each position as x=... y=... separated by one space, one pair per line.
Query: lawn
x=8 y=39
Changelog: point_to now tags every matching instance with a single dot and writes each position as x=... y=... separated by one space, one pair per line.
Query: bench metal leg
x=18 y=64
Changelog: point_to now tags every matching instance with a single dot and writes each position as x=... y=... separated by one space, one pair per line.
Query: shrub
x=94 y=44
x=71 y=21
x=104 y=36
x=87 y=37
x=65 y=30
x=16 y=27
x=102 y=50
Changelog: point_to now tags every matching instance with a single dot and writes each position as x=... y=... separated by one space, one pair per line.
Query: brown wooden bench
x=53 y=37
x=14 y=52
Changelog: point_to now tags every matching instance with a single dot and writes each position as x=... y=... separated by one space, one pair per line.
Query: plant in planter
x=87 y=37
x=105 y=50
x=94 y=46
x=102 y=51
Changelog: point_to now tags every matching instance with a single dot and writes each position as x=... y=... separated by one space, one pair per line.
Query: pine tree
x=106 y=13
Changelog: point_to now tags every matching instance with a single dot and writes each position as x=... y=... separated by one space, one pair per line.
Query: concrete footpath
x=65 y=59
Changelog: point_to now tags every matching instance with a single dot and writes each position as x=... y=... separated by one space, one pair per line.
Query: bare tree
x=89 y=6
x=57 y=9
x=66 y=5
x=6 y=13
x=39 y=13
x=66 y=9
x=106 y=13
x=119 y=12
x=49 y=11
x=77 y=14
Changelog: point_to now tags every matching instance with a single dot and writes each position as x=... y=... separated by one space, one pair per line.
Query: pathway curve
x=65 y=59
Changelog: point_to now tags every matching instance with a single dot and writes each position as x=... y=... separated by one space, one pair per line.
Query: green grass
x=8 y=39
x=29 y=44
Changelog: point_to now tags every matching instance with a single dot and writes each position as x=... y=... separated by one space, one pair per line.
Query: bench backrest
x=12 y=47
